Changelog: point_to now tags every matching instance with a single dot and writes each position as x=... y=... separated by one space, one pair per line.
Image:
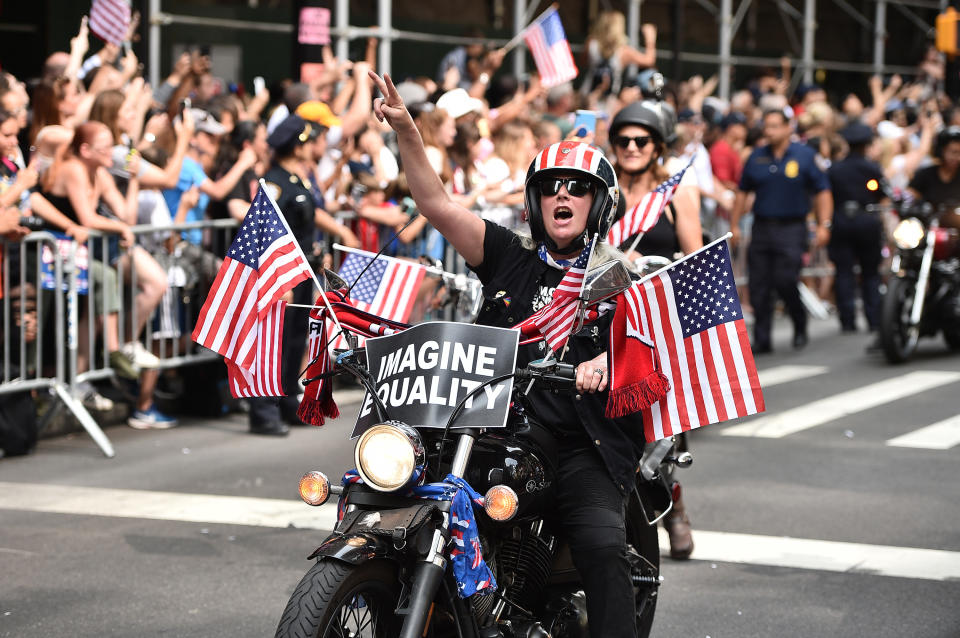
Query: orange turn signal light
x=314 y=488
x=500 y=503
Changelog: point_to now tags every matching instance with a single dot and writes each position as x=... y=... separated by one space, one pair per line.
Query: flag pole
x=519 y=37
x=684 y=258
x=639 y=236
x=433 y=270
x=583 y=283
x=316 y=282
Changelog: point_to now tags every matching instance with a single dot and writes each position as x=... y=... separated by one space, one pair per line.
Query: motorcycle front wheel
x=897 y=337
x=336 y=600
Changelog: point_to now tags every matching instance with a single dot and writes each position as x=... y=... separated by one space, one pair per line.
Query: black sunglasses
x=576 y=186
x=624 y=142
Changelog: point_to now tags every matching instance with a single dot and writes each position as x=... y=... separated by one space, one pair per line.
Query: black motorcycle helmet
x=657 y=117
x=650 y=115
x=572 y=157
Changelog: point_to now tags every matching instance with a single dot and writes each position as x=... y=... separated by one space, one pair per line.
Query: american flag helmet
x=565 y=158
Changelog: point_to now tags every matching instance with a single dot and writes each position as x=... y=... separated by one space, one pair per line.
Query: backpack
x=18 y=423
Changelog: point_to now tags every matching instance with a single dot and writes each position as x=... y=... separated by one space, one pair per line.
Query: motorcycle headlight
x=908 y=234
x=388 y=455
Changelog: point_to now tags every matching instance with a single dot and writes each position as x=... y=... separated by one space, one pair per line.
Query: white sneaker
x=91 y=399
x=151 y=419
x=140 y=356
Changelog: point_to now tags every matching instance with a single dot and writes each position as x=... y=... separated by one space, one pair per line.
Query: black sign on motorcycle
x=423 y=373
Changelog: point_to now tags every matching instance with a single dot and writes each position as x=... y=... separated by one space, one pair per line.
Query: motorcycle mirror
x=332 y=281
x=605 y=281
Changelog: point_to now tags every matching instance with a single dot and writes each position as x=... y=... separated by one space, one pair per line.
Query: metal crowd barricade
x=46 y=366
x=54 y=276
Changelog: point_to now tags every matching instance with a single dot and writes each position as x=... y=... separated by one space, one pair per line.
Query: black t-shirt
x=935 y=191
x=517 y=283
x=217 y=208
x=661 y=240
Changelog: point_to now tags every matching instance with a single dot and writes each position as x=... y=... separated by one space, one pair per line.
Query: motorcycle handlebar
x=554 y=373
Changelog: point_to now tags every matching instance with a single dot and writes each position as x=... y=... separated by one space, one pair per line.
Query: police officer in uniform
x=783 y=175
x=856 y=236
x=271 y=416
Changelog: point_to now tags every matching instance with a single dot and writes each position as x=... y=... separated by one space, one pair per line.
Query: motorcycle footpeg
x=684 y=459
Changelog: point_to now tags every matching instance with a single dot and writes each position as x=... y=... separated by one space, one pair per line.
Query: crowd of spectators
x=89 y=146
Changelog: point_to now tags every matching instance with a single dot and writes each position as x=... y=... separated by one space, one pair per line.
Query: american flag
x=389 y=287
x=555 y=320
x=550 y=49
x=263 y=379
x=645 y=214
x=692 y=314
x=263 y=263
x=110 y=19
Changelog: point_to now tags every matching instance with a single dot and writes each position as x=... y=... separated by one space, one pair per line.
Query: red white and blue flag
x=110 y=19
x=551 y=51
x=263 y=379
x=642 y=217
x=239 y=318
x=471 y=572
x=691 y=313
x=387 y=289
x=555 y=320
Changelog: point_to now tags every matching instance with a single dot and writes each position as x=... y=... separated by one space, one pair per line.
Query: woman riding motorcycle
x=570 y=194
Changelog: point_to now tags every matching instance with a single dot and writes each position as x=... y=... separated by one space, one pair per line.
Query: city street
x=836 y=513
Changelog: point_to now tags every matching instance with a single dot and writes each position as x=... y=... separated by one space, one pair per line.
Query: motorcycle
x=387 y=570
x=922 y=296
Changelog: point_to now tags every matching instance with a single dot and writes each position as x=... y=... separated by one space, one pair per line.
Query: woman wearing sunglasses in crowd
x=570 y=194
x=640 y=134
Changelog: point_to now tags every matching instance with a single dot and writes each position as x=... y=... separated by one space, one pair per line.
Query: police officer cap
x=857 y=133
x=291 y=132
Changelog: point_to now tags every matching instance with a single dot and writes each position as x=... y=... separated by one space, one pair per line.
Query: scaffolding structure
x=729 y=15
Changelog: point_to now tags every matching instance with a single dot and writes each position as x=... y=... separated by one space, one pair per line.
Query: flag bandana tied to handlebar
x=471 y=571
x=466 y=556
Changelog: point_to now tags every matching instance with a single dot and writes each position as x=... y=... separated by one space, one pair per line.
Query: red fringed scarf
x=318 y=400
x=636 y=381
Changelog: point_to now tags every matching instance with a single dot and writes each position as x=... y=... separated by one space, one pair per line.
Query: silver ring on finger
x=598 y=371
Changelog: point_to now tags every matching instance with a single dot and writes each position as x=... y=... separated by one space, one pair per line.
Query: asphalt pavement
x=835 y=513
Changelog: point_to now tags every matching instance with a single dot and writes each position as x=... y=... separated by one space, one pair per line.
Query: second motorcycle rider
x=570 y=194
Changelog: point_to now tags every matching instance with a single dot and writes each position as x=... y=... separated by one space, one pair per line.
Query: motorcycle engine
x=525 y=560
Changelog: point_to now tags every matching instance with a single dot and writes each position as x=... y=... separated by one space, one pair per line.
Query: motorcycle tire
x=646 y=542
x=337 y=599
x=897 y=338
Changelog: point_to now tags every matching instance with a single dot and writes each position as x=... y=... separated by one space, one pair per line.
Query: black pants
x=774 y=259
x=592 y=512
x=270 y=409
x=857 y=241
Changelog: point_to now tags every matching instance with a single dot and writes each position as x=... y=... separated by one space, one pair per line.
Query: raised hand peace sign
x=390 y=108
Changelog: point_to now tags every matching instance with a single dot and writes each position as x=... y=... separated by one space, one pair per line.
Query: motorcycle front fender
x=355 y=548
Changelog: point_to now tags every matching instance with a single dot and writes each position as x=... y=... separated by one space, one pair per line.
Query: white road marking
x=167 y=506
x=831 y=556
x=840 y=405
x=785 y=374
x=938 y=436
x=799 y=553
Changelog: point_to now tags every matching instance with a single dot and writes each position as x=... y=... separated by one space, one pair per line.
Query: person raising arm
x=464 y=230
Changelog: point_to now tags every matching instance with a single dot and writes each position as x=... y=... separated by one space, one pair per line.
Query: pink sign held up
x=314 y=26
